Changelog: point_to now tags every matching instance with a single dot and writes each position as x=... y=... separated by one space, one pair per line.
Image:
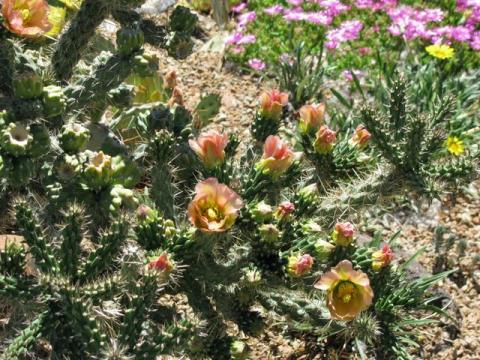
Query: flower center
x=25 y=14
x=346 y=291
x=213 y=214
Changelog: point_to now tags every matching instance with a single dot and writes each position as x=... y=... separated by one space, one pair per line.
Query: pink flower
x=299 y=265
x=210 y=148
x=325 y=140
x=273 y=10
x=348 y=74
x=311 y=117
x=257 y=64
x=27 y=18
x=246 y=18
x=295 y=2
x=161 y=264
x=361 y=136
x=348 y=30
x=215 y=206
x=239 y=38
x=239 y=8
x=284 y=210
x=277 y=156
x=343 y=234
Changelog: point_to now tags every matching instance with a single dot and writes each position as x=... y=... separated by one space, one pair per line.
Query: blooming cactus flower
x=277 y=156
x=325 y=140
x=382 y=258
x=27 y=18
x=361 y=136
x=343 y=234
x=272 y=103
x=214 y=207
x=454 y=145
x=299 y=265
x=161 y=264
x=210 y=148
x=348 y=291
x=311 y=117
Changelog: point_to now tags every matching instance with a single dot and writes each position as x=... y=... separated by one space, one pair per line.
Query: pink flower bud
x=284 y=210
x=277 y=156
x=311 y=117
x=170 y=80
x=361 y=136
x=325 y=140
x=272 y=103
x=161 y=264
x=343 y=233
x=382 y=258
x=299 y=265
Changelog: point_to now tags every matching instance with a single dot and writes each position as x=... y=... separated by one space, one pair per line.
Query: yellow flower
x=454 y=145
x=348 y=291
x=440 y=51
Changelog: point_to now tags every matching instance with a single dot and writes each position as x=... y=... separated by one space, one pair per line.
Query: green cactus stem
x=7 y=66
x=72 y=43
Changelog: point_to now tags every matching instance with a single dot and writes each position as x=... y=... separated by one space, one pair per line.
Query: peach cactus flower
x=343 y=234
x=299 y=265
x=382 y=257
x=272 y=103
x=325 y=140
x=210 y=148
x=311 y=117
x=277 y=156
x=348 y=291
x=176 y=98
x=27 y=18
x=214 y=207
x=170 y=80
x=361 y=136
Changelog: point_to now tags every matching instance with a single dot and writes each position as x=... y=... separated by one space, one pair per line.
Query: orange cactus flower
x=361 y=136
x=382 y=258
x=311 y=117
x=170 y=80
x=277 y=156
x=272 y=103
x=325 y=140
x=210 y=148
x=27 y=18
x=348 y=291
x=214 y=207
x=299 y=265
x=176 y=98
x=343 y=234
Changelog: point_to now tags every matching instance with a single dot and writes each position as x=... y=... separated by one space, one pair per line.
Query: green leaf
x=207 y=108
x=341 y=98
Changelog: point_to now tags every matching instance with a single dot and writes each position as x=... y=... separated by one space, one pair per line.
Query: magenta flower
x=348 y=30
x=246 y=18
x=273 y=10
x=257 y=64
x=239 y=8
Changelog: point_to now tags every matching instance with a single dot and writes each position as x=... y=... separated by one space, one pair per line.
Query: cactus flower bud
x=27 y=18
x=73 y=137
x=360 y=137
x=28 y=86
x=238 y=350
x=215 y=206
x=269 y=233
x=343 y=234
x=277 y=156
x=98 y=171
x=122 y=196
x=54 y=101
x=272 y=103
x=323 y=249
x=146 y=213
x=16 y=139
x=161 y=264
x=262 y=212
x=325 y=140
x=170 y=80
x=311 y=117
x=284 y=210
x=129 y=40
x=382 y=258
x=251 y=275
x=299 y=265
x=348 y=291
x=210 y=148
x=176 y=98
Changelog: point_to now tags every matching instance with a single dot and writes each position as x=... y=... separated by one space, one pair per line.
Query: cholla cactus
x=179 y=210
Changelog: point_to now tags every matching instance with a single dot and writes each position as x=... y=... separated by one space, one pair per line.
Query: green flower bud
x=145 y=65
x=121 y=196
x=311 y=227
x=54 y=101
x=269 y=233
x=98 y=170
x=28 y=86
x=323 y=249
x=238 y=350
x=251 y=275
x=129 y=40
x=262 y=212
x=73 y=137
x=68 y=166
x=16 y=139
